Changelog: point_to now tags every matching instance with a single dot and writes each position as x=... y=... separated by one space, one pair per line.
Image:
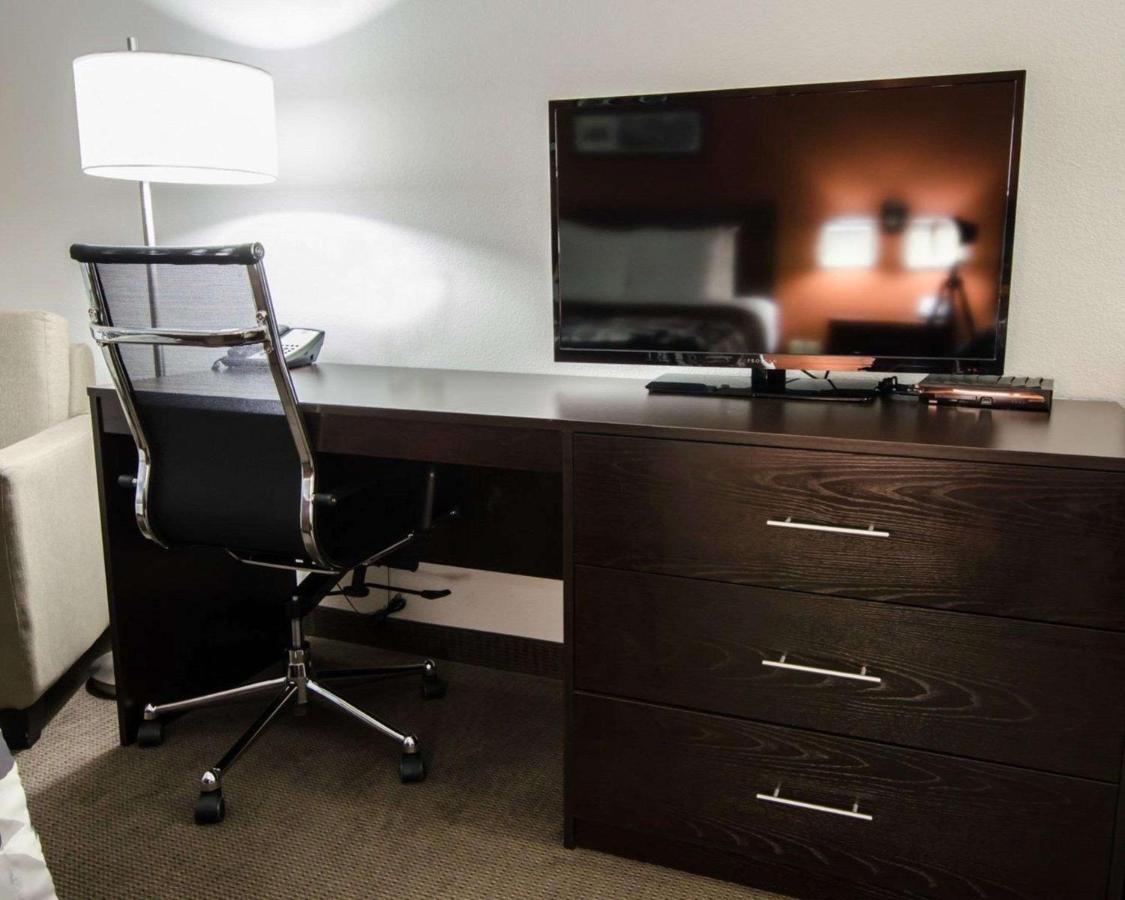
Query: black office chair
x=224 y=459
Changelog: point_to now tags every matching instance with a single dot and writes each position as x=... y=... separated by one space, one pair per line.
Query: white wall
x=411 y=218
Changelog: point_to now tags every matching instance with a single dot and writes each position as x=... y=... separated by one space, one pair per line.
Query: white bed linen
x=23 y=870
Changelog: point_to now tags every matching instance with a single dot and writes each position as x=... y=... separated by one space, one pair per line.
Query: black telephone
x=299 y=347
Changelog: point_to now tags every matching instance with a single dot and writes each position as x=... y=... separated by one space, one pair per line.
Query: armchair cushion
x=81 y=377
x=35 y=372
x=52 y=585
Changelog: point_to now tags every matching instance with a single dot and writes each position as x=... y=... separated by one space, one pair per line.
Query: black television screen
x=840 y=226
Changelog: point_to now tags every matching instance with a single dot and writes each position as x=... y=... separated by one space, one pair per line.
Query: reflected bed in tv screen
x=842 y=226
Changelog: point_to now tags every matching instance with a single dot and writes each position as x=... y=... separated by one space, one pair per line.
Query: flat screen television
x=849 y=226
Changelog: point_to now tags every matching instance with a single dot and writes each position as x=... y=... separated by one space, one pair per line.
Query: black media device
x=862 y=226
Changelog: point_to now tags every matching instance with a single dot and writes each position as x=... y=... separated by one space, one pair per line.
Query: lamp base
x=102 y=680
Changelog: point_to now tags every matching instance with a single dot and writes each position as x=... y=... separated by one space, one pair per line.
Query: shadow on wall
x=384 y=105
x=274 y=24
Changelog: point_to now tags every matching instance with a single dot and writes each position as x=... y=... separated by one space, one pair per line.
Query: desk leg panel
x=568 y=634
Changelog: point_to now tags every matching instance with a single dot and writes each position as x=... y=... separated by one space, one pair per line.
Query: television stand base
x=762 y=384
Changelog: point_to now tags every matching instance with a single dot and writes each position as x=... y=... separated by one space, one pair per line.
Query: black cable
x=895 y=389
x=397 y=603
x=825 y=377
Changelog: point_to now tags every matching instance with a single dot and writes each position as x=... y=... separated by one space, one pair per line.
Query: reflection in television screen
x=860 y=223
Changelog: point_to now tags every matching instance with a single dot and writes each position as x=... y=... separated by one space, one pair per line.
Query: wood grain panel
x=530 y=449
x=1019 y=541
x=1044 y=696
x=942 y=827
x=760 y=874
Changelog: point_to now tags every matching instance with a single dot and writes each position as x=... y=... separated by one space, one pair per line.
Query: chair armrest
x=52 y=578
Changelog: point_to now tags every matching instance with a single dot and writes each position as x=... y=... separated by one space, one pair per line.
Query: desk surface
x=1082 y=434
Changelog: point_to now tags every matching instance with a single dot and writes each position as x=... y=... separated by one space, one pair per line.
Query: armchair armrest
x=52 y=580
x=81 y=377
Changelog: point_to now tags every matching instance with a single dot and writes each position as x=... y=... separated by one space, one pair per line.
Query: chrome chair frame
x=109 y=338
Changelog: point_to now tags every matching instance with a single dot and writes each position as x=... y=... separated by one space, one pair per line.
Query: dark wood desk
x=992 y=612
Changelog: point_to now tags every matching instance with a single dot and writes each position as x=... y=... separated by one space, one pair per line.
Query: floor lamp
x=172 y=118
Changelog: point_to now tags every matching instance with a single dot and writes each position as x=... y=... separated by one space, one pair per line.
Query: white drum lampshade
x=169 y=117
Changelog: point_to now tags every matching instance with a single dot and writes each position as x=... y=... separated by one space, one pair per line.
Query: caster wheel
x=433 y=686
x=150 y=733
x=210 y=808
x=412 y=768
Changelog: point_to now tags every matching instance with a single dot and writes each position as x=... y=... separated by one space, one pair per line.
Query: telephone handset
x=299 y=347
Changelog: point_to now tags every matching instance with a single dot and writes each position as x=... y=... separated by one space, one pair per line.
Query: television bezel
x=993 y=366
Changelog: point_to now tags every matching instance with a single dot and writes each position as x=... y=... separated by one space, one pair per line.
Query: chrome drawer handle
x=852 y=813
x=861 y=675
x=869 y=531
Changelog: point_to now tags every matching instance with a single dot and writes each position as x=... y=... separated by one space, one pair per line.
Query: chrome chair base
x=294 y=688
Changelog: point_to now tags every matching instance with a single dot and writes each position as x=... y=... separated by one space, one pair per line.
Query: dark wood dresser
x=841 y=667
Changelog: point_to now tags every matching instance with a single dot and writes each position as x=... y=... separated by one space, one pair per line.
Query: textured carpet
x=315 y=808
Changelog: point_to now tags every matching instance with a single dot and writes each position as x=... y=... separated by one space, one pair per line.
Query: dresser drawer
x=922 y=824
x=1019 y=541
x=1042 y=696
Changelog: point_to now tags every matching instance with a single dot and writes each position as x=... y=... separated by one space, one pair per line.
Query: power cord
x=888 y=387
x=895 y=389
x=360 y=588
x=397 y=603
x=824 y=377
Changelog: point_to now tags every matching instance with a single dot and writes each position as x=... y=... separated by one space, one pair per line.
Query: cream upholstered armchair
x=52 y=581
